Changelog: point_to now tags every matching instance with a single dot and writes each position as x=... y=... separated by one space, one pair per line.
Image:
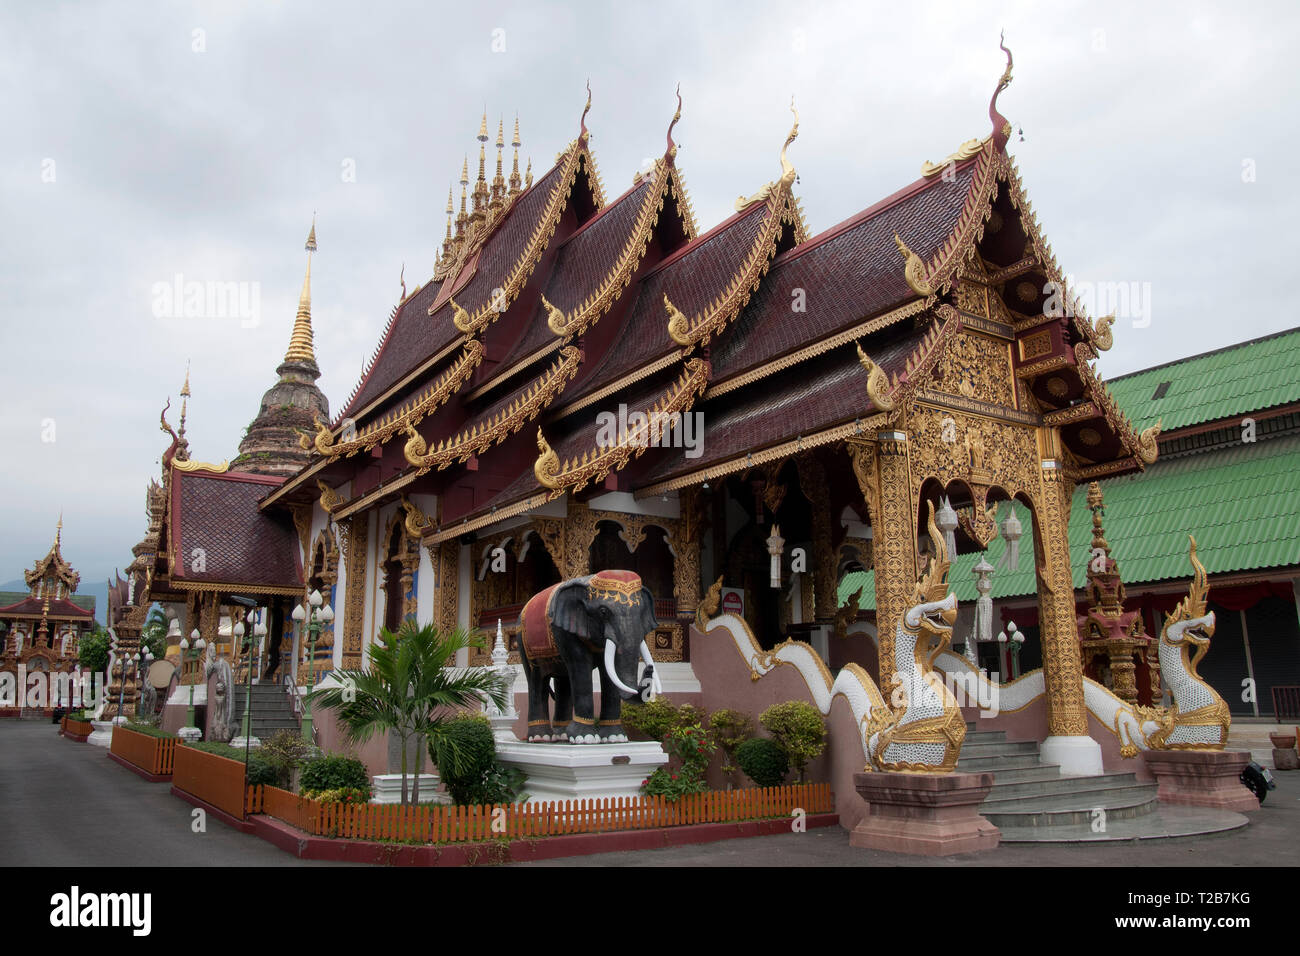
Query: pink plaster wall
x=329 y=737
x=725 y=681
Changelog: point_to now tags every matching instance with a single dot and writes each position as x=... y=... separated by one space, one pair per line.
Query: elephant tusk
x=609 y=669
x=649 y=661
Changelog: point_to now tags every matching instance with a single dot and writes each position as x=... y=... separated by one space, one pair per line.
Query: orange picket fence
x=80 y=728
x=218 y=781
x=153 y=755
x=443 y=824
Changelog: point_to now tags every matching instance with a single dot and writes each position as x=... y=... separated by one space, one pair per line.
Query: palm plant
x=154 y=633
x=410 y=688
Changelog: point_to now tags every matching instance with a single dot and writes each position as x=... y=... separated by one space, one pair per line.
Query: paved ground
x=67 y=804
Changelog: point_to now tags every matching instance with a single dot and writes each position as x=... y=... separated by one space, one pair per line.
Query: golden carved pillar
x=1058 y=628
x=579 y=533
x=354 y=603
x=812 y=481
x=883 y=473
x=446 y=562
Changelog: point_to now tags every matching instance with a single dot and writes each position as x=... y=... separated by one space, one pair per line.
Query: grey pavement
x=67 y=804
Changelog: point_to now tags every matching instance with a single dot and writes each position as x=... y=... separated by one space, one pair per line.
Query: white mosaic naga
x=1200 y=717
x=924 y=733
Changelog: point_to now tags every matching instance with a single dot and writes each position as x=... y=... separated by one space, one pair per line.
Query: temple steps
x=272 y=710
x=1031 y=802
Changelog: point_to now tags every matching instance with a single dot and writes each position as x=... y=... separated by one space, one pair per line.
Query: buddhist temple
x=42 y=629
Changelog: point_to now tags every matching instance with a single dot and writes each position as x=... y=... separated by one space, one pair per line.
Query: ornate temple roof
x=219 y=540
x=51 y=571
x=550 y=305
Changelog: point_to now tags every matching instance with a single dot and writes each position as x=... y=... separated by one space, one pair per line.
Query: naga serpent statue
x=1200 y=718
x=925 y=736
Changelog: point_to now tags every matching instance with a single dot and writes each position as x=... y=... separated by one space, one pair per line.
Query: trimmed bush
x=334 y=772
x=798 y=727
x=149 y=730
x=652 y=720
x=763 y=761
x=465 y=753
x=731 y=728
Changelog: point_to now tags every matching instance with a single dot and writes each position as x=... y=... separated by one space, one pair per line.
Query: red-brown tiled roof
x=415 y=335
x=582 y=264
x=848 y=274
x=58 y=608
x=240 y=545
x=691 y=278
x=824 y=392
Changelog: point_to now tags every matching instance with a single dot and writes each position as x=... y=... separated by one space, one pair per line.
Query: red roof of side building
x=219 y=537
x=58 y=608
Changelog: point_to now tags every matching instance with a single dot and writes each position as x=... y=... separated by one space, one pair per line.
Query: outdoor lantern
x=775 y=547
x=945 y=520
x=298 y=613
x=315 y=599
x=1011 y=531
x=327 y=614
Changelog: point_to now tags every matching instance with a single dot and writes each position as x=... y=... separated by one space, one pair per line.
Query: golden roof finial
x=300 y=342
x=1001 y=127
x=514 y=172
x=464 y=171
x=528 y=176
x=582 y=132
x=501 y=133
x=787 y=171
x=671 y=151
x=185 y=395
x=58 y=529
x=482 y=128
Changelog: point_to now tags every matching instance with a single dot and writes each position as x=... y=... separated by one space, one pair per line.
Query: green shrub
x=334 y=772
x=352 y=795
x=220 y=749
x=465 y=753
x=731 y=728
x=261 y=772
x=652 y=720
x=689 y=747
x=763 y=761
x=285 y=750
x=149 y=730
x=798 y=727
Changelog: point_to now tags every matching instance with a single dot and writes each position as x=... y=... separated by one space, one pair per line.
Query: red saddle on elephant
x=535 y=634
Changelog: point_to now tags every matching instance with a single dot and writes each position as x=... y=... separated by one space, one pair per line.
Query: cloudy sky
x=142 y=141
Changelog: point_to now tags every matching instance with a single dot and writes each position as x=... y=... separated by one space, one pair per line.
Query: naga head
x=1190 y=625
x=933 y=606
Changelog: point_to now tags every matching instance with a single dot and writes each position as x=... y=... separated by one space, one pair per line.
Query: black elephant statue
x=599 y=622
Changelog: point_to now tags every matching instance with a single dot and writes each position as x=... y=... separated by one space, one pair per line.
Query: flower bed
x=152 y=754
x=442 y=824
x=216 y=780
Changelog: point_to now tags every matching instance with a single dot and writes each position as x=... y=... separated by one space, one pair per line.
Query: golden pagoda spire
x=464 y=184
x=446 y=243
x=499 y=181
x=480 y=184
x=58 y=530
x=300 y=343
x=515 y=182
x=185 y=395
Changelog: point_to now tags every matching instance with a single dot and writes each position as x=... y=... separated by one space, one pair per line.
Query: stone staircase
x=272 y=710
x=1031 y=802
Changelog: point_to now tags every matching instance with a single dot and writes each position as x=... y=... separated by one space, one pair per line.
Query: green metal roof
x=1241 y=503
x=1237 y=380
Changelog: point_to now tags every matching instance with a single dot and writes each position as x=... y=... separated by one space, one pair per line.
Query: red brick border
x=307 y=847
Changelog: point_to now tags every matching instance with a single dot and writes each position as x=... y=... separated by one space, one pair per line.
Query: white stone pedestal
x=565 y=771
x=1077 y=756
x=103 y=733
x=190 y=734
x=387 y=788
x=239 y=743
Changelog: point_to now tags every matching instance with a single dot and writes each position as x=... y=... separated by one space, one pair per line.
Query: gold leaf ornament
x=679 y=326
x=877 y=382
x=547 y=466
x=913 y=269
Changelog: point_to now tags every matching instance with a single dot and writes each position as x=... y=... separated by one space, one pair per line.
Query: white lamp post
x=320 y=614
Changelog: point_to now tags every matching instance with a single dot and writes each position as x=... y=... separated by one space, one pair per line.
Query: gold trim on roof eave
x=864 y=429
x=577 y=473
x=228 y=586
x=409 y=414
x=503 y=424
x=491 y=517
x=783 y=362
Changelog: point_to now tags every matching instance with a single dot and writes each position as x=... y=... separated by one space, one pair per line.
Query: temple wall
x=726 y=681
